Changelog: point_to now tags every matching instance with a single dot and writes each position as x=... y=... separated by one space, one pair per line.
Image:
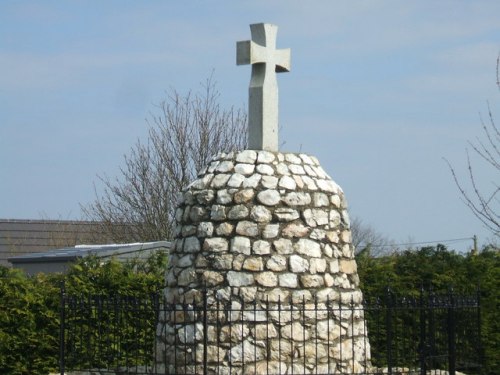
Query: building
x=60 y=260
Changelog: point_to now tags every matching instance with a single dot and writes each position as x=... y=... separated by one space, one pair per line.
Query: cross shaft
x=266 y=61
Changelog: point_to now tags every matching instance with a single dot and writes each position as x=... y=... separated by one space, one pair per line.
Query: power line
x=426 y=242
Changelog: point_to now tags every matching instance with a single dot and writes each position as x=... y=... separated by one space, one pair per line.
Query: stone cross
x=266 y=60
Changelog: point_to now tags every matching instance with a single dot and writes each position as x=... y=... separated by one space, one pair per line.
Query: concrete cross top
x=266 y=60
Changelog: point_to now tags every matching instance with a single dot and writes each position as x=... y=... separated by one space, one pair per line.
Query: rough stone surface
x=265 y=227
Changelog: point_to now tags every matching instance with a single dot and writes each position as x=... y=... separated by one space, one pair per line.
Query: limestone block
x=298 y=181
x=218 y=213
x=288 y=280
x=220 y=180
x=248 y=294
x=239 y=278
x=310 y=171
x=276 y=295
x=317 y=234
x=306 y=159
x=268 y=279
x=244 y=169
x=294 y=199
x=264 y=331
x=317 y=265
x=292 y=158
x=212 y=278
x=198 y=213
x=253 y=264
x=334 y=218
x=246 y=156
x=301 y=295
x=247 y=228
x=235 y=180
x=287 y=182
x=205 y=196
x=295 y=230
x=312 y=281
x=269 y=197
x=298 y=264
x=238 y=212
x=308 y=247
x=245 y=352
x=252 y=181
x=260 y=214
x=185 y=261
x=224 y=166
x=309 y=182
x=335 y=200
x=283 y=246
x=334 y=266
x=224 y=229
x=265 y=157
x=186 y=277
x=188 y=230
x=347 y=266
x=244 y=196
x=286 y=214
x=269 y=182
x=282 y=169
x=240 y=245
x=345 y=236
x=276 y=263
x=205 y=229
x=223 y=262
x=270 y=231
x=314 y=217
x=265 y=169
x=296 y=332
x=223 y=197
x=332 y=236
x=261 y=247
x=296 y=169
x=320 y=200
x=191 y=245
x=215 y=244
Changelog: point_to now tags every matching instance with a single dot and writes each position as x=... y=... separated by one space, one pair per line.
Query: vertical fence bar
x=452 y=357
x=205 y=332
x=388 y=322
x=62 y=317
x=422 y=344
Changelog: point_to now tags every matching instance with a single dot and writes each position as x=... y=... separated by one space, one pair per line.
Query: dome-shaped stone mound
x=270 y=230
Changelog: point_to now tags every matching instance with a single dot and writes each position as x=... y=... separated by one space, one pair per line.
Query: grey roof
x=19 y=237
x=121 y=251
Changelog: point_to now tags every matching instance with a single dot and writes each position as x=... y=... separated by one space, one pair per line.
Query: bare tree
x=484 y=204
x=365 y=238
x=184 y=134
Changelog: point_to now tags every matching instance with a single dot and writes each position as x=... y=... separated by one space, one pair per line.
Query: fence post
x=205 y=332
x=388 y=322
x=452 y=355
x=62 y=327
x=423 y=341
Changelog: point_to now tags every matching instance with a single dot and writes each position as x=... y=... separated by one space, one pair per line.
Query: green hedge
x=29 y=306
x=439 y=268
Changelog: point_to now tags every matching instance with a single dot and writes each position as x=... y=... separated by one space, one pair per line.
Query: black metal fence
x=407 y=335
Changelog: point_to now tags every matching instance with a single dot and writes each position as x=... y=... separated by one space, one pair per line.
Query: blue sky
x=379 y=91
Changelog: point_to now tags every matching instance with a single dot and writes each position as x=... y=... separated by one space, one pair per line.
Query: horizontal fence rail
x=406 y=335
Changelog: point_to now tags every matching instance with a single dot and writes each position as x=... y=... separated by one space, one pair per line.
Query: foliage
x=439 y=269
x=184 y=135
x=30 y=306
x=29 y=323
